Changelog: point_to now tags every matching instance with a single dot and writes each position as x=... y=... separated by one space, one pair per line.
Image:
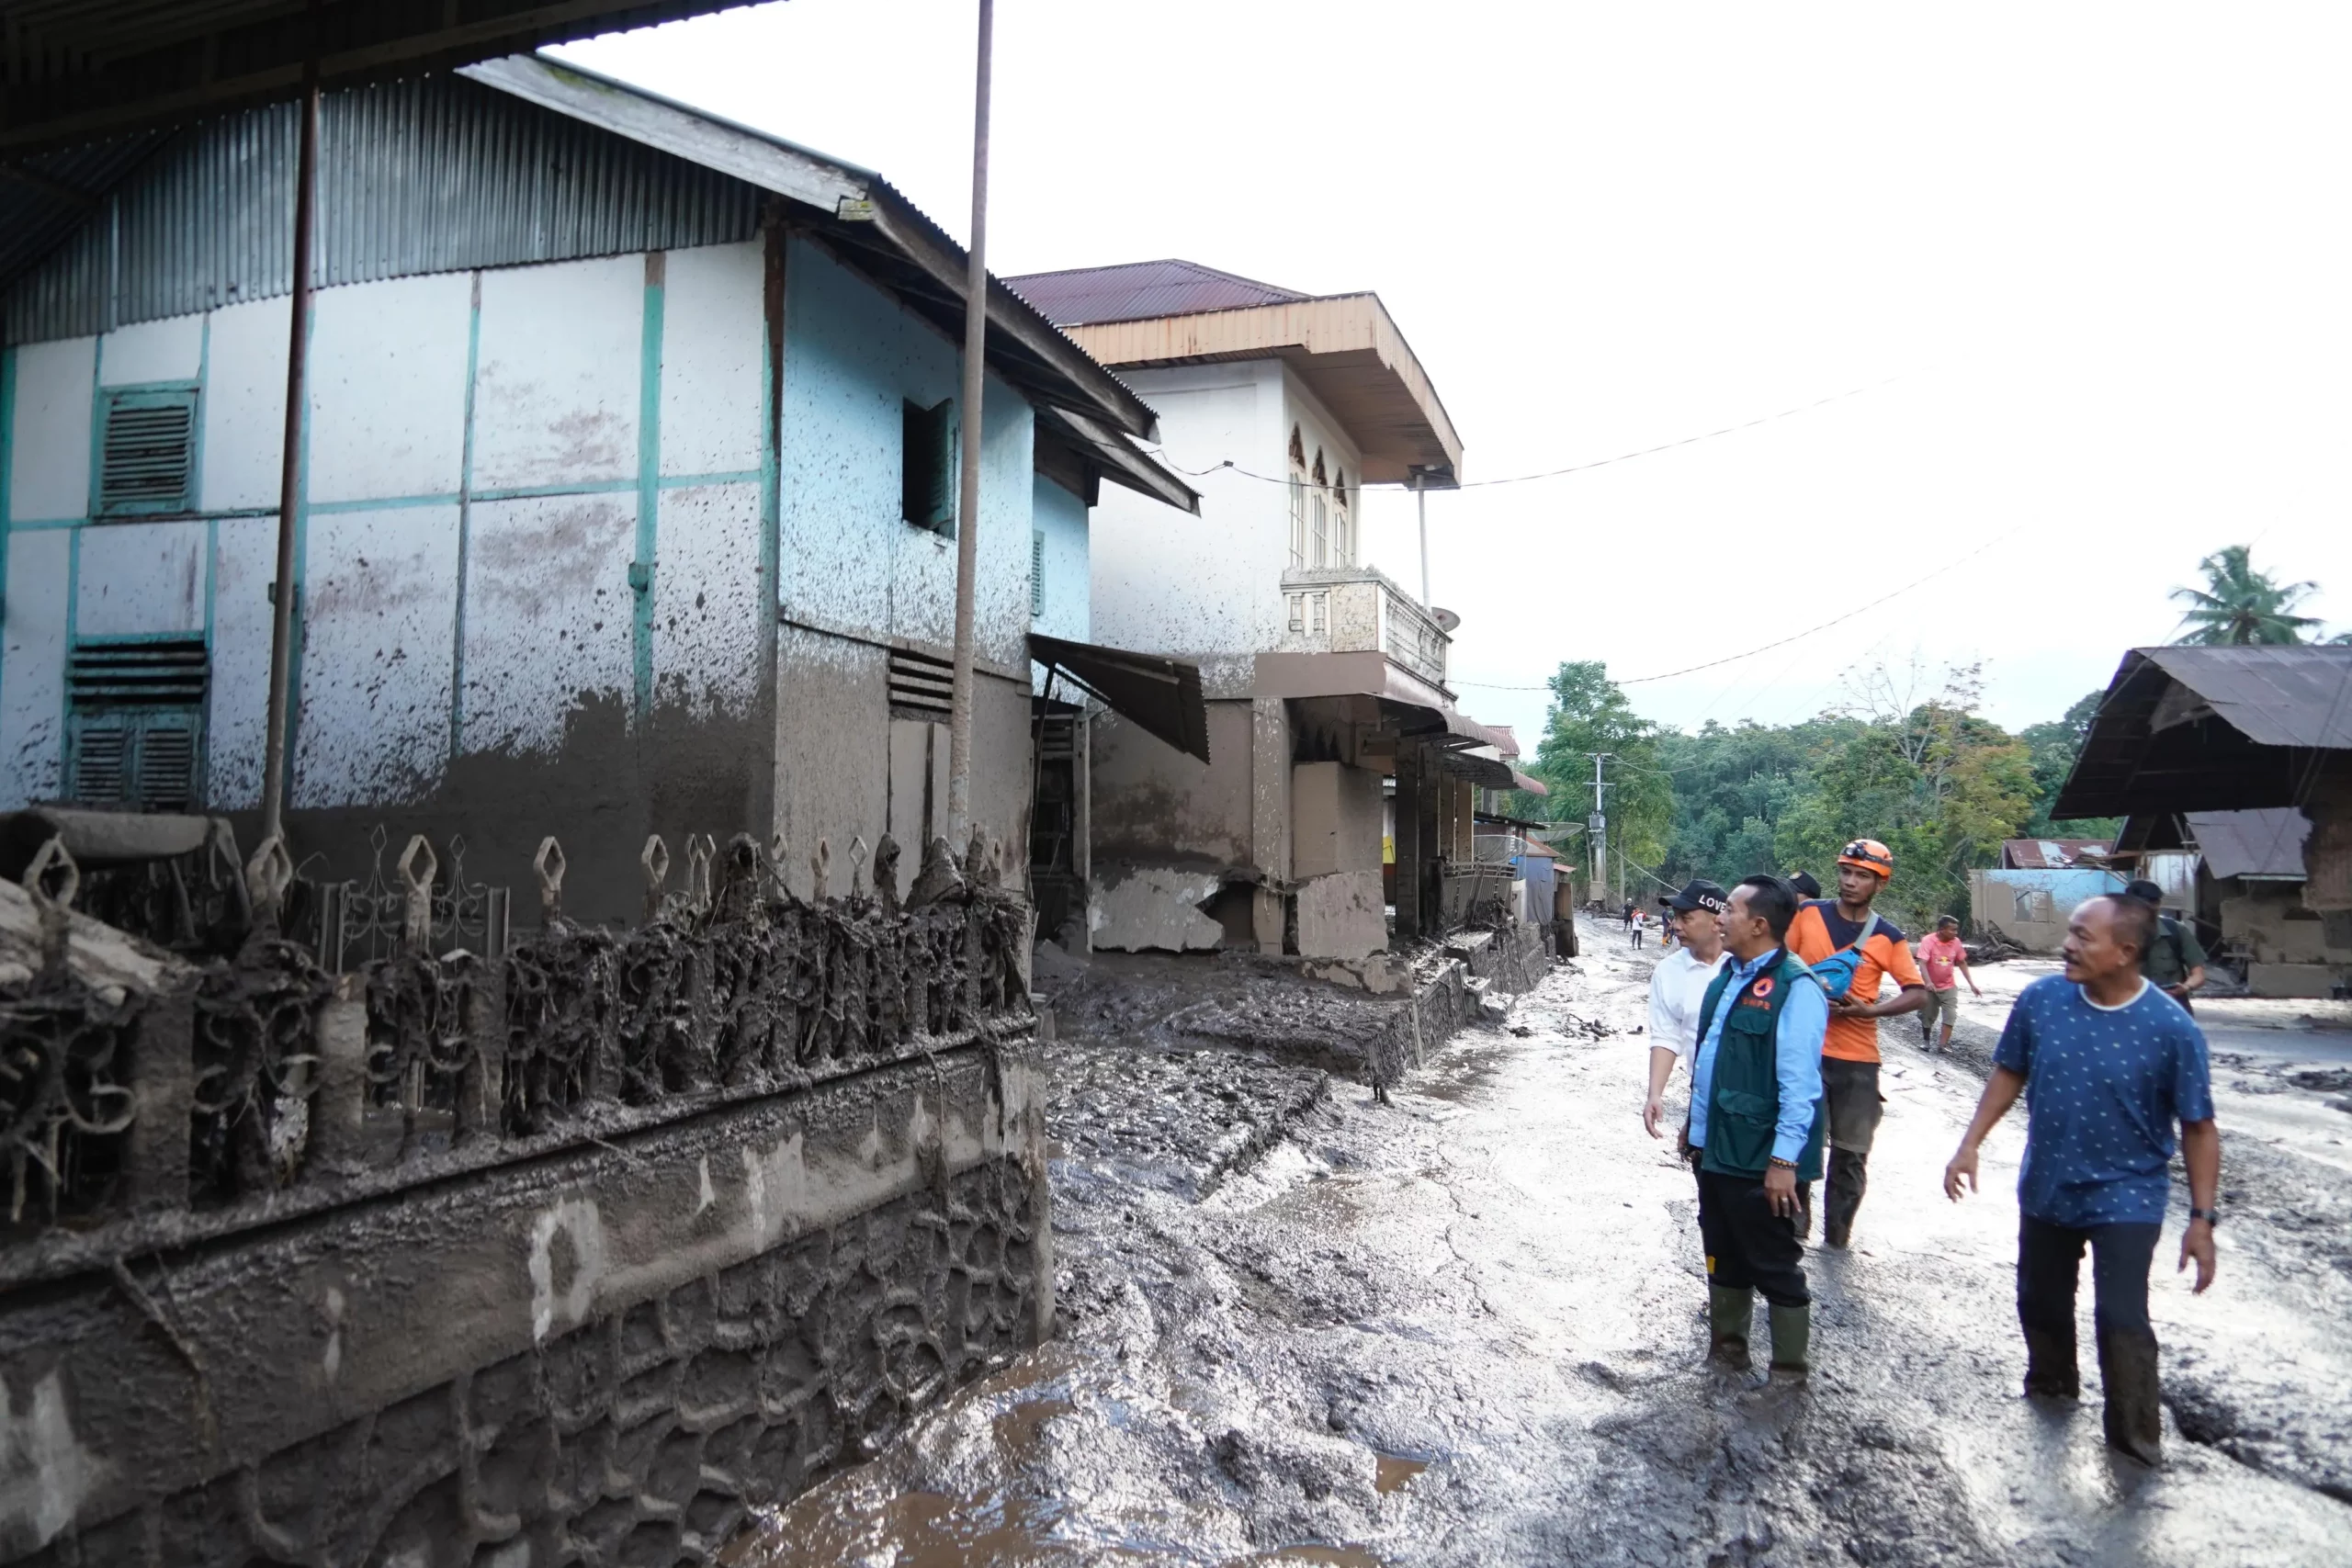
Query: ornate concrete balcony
x=1359 y=610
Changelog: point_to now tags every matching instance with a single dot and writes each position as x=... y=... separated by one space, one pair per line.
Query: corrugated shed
x=2251 y=843
x=1137 y=291
x=429 y=176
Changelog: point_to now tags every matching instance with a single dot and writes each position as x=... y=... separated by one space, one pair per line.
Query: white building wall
x=1164 y=582
x=387 y=390
x=32 y=665
x=379 y=596
x=1319 y=432
x=243 y=406
x=169 y=350
x=1062 y=597
x=49 y=435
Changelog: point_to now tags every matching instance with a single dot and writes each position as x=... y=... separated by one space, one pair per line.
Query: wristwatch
x=2210 y=1216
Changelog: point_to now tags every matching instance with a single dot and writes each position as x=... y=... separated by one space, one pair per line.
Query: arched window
x=1318 y=544
x=1343 y=529
x=1297 y=500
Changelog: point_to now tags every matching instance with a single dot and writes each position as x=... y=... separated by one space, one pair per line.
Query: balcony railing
x=1357 y=610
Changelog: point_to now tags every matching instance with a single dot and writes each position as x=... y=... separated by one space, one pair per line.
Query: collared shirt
x=1796 y=1058
x=1678 y=986
x=2103 y=1088
x=2174 y=953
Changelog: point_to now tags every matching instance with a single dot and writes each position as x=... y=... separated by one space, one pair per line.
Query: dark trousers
x=1748 y=1246
x=2049 y=1266
x=1850 y=1089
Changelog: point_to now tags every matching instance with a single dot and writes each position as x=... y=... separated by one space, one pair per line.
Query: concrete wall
x=2031 y=907
x=1065 y=587
x=1319 y=432
x=492 y=459
x=1164 y=582
x=621 y=1347
x=1169 y=830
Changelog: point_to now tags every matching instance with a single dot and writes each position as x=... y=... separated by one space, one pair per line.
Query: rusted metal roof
x=2252 y=843
x=2050 y=854
x=2215 y=730
x=1137 y=291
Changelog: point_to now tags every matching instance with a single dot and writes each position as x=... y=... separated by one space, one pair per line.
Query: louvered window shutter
x=928 y=459
x=1037 y=573
x=135 y=724
x=147 y=458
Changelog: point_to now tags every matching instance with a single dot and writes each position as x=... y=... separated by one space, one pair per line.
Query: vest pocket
x=1744 y=1139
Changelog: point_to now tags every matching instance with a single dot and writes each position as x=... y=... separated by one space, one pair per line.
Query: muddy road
x=1468 y=1327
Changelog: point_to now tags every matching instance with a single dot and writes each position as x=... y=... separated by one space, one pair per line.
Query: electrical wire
x=1793 y=636
x=1229 y=465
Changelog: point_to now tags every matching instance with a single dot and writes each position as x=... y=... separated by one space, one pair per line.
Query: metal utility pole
x=289 y=481
x=968 y=498
x=1421 y=508
x=1597 y=826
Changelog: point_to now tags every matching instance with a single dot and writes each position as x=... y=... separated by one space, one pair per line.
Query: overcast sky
x=2088 y=263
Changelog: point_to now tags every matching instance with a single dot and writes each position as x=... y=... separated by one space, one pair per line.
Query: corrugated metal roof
x=82 y=70
x=1139 y=291
x=431 y=176
x=2273 y=696
x=2251 y=843
x=2050 y=854
x=2215 y=730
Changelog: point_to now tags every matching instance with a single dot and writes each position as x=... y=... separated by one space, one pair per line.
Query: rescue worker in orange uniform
x=1823 y=929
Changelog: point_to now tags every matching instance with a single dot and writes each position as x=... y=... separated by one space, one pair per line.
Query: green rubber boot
x=1729 y=1314
x=1792 y=1342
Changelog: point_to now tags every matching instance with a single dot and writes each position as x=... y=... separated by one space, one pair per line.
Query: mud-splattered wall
x=531 y=558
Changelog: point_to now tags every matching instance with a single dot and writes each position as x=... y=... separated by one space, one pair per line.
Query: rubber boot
x=1849 y=1176
x=2127 y=1368
x=1792 y=1342
x=2050 y=1370
x=1729 y=1315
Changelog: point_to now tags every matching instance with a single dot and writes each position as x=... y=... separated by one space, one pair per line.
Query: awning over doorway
x=1163 y=695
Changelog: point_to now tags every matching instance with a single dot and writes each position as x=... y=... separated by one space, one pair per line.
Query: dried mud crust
x=1232 y=1001
x=1173 y=1121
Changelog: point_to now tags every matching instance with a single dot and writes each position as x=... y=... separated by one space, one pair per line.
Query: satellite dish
x=1446 y=619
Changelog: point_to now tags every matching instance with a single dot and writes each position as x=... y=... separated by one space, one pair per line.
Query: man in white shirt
x=1678 y=984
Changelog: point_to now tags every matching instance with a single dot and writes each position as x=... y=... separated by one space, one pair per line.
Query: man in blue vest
x=1758 y=1124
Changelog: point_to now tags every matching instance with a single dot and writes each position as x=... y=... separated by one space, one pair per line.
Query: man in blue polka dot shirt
x=2108 y=1064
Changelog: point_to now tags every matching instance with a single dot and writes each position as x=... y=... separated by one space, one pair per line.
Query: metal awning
x=1162 y=695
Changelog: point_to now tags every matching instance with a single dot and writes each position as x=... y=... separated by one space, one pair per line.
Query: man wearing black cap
x=1803 y=884
x=1680 y=984
x=2174 y=961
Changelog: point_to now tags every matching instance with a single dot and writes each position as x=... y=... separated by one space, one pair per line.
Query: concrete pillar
x=1408 y=834
x=1269 y=818
x=1432 y=805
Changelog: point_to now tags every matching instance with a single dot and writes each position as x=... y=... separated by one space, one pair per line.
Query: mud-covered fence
x=136 y=1084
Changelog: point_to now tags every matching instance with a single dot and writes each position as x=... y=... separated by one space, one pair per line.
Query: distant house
x=1323 y=678
x=2246 y=890
x=627 y=498
x=2051 y=854
x=2226 y=730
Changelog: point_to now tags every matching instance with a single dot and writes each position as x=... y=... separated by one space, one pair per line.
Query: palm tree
x=2239 y=605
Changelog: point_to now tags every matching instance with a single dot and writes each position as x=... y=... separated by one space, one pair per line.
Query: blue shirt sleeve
x=1796 y=1065
x=2016 y=1050
x=2192 y=1075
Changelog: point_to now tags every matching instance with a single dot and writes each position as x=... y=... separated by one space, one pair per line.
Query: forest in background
x=1906 y=759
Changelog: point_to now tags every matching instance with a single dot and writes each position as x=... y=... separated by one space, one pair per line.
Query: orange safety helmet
x=1871 y=855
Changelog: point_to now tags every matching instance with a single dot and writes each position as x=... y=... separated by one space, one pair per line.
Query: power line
x=1229 y=465
x=1793 y=637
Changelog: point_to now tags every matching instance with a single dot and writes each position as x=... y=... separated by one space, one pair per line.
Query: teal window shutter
x=135 y=724
x=1036 y=573
x=928 y=451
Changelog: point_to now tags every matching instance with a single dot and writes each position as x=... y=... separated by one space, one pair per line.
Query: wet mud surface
x=1468 y=1327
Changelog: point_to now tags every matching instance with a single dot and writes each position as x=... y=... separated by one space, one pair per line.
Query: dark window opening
x=147 y=456
x=928 y=475
x=135 y=724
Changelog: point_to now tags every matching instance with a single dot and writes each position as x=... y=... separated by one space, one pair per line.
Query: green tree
x=2239 y=605
x=1589 y=714
x=2053 y=746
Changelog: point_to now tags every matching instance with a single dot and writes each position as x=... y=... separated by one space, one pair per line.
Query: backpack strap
x=2170 y=929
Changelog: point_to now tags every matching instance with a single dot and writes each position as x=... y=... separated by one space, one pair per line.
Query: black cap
x=1699 y=894
x=1806 y=887
x=2145 y=891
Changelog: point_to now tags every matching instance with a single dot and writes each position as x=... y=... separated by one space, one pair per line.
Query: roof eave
x=1047 y=363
